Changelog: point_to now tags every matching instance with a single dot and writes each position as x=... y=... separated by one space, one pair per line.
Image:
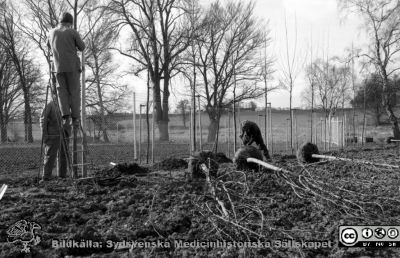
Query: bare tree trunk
x=388 y=105
x=212 y=129
x=163 y=122
x=394 y=120
x=392 y=117
x=377 y=116
x=217 y=132
x=147 y=119
x=103 y=127
x=27 y=117
x=3 y=127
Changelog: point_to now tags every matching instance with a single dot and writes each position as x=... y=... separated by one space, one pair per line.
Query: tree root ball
x=209 y=159
x=245 y=152
x=389 y=140
x=305 y=152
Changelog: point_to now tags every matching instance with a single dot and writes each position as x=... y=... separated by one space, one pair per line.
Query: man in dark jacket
x=64 y=42
x=250 y=132
x=50 y=125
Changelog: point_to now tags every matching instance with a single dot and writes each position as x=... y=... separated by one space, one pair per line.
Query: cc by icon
x=348 y=236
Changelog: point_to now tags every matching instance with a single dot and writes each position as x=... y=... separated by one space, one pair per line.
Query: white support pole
x=134 y=127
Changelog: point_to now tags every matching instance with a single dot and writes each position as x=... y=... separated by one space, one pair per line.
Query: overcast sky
x=319 y=20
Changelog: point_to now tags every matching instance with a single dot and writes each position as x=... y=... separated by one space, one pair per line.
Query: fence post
x=229 y=133
x=295 y=128
x=270 y=128
x=287 y=133
x=117 y=132
x=134 y=127
x=200 y=129
x=344 y=130
x=152 y=130
x=190 y=132
x=234 y=127
x=323 y=136
x=226 y=133
x=140 y=132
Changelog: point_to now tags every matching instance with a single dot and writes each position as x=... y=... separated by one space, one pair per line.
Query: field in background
x=120 y=130
x=17 y=155
x=280 y=128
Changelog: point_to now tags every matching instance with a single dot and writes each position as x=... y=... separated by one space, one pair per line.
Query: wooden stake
x=140 y=132
x=83 y=119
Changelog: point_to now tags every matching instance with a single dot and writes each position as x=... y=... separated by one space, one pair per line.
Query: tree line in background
x=220 y=49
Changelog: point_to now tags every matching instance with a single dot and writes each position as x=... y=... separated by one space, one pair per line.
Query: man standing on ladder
x=51 y=134
x=64 y=42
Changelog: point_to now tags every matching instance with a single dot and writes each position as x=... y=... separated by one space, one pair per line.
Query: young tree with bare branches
x=12 y=42
x=10 y=92
x=382 y=23
x=330 y=81
x=229 y=46
x=291 y=67
x=104 y=92
x=159 y=34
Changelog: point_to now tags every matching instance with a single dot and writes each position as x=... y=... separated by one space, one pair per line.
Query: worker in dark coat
x=250 y=132
x=64 y=42
x=52 y=140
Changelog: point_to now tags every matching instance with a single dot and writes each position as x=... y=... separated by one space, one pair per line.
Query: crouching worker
x=250 y=132
x=52 y=140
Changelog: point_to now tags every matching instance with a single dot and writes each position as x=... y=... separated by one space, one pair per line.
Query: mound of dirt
x=122 y=169
x=241 y=156
x=171 y=164
x=220 y=157
x=112 y=176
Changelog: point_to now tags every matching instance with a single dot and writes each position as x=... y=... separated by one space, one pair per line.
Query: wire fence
x=114 y=142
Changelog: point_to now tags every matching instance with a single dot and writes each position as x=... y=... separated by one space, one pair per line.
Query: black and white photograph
x=200 y=128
